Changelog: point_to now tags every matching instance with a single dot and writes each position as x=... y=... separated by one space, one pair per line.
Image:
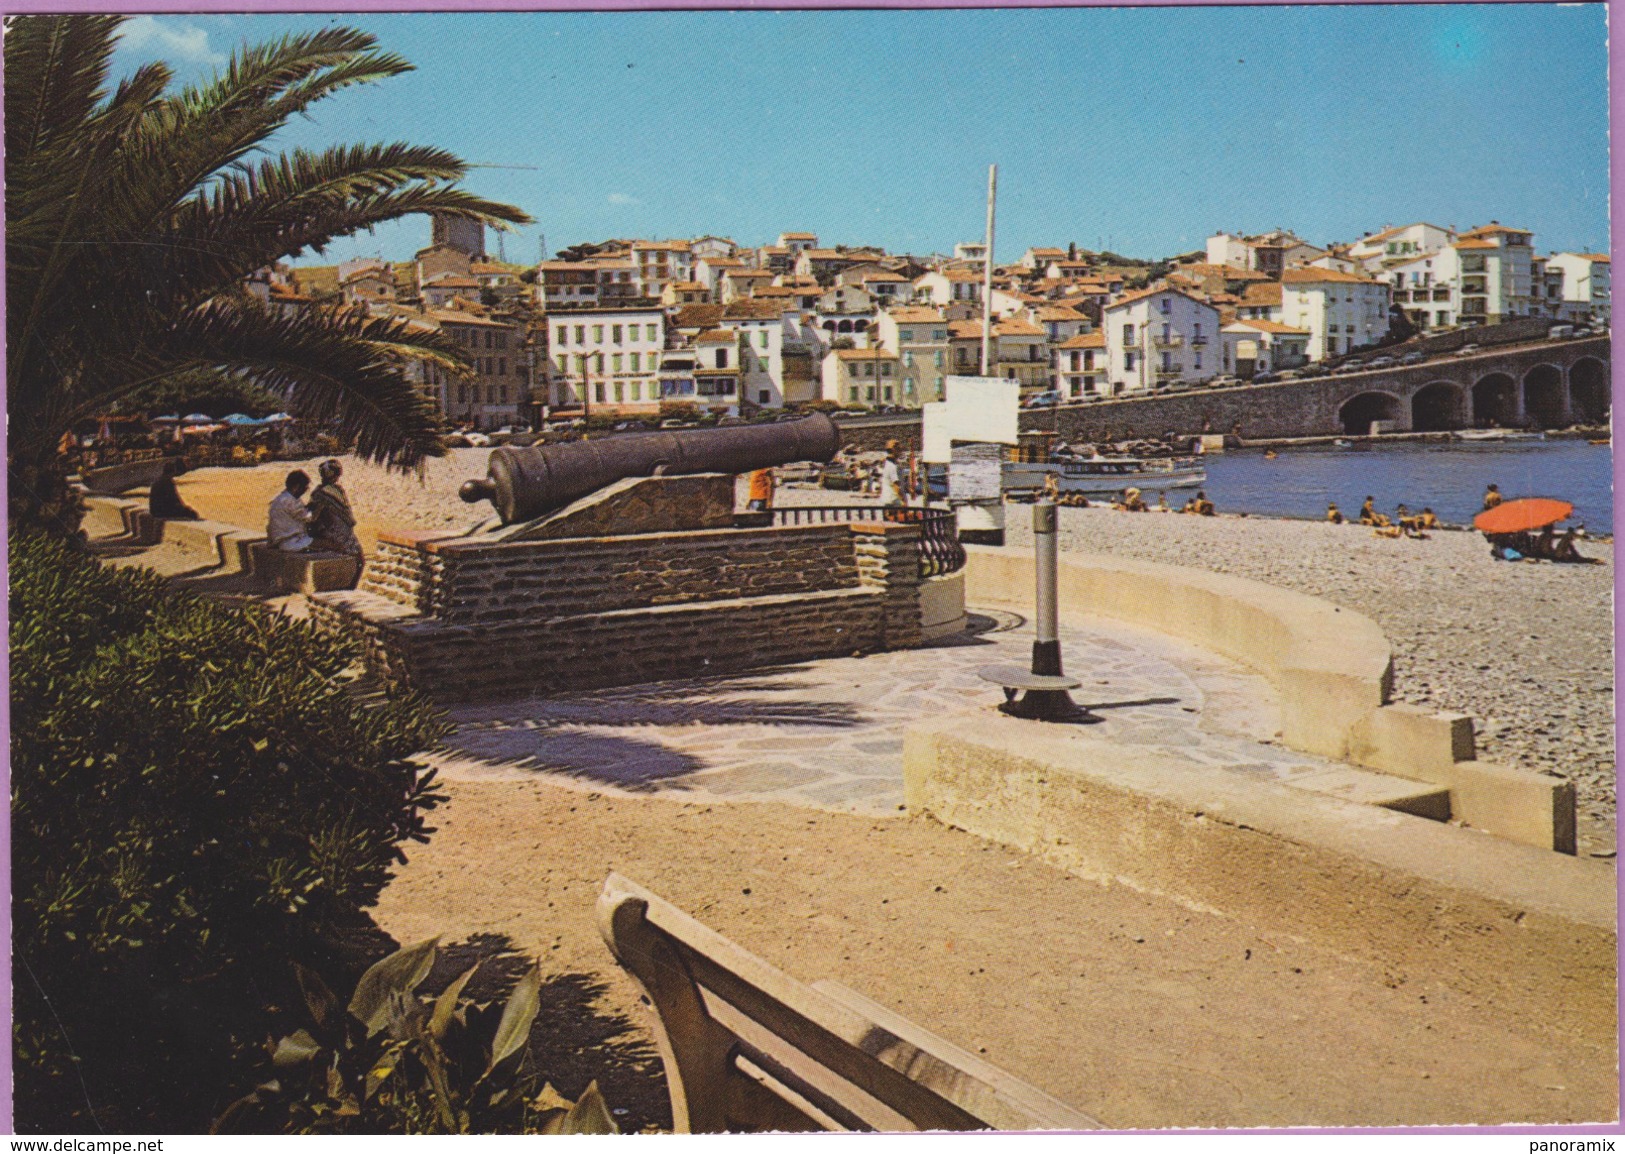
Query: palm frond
x=55 y=68
x=341 y=368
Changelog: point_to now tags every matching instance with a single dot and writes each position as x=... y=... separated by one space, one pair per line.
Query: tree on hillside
x=134 y=215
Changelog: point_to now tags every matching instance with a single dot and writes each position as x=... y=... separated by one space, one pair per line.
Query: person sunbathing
x=1334 y=515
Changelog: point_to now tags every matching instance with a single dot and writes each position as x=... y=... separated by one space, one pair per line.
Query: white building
x=1402 y=243
x=1158 y=337
x=1251 y=347
x=761 y=329
x=1341 y=311
x=1080 y=366
x=1587 y=285
x=658 y=262
x=945 y=288
x=608 y=357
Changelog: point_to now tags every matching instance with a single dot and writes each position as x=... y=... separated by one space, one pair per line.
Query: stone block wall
x=465 y=620
x=463 y=580
x=888 y=558
x=590 y=651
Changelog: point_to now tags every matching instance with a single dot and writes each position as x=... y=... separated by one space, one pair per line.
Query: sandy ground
x=1130 y=1008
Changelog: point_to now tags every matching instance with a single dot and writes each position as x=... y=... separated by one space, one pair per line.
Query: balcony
x=1473 y=286
x=1198 y=340
x=1171 y=373
x=1172 y=341
x=1439 y=294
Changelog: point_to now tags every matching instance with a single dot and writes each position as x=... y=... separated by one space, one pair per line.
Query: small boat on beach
x=1103 y=476
x=1497 y=436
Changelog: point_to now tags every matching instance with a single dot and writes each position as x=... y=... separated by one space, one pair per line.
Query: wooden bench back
x=748 y=1048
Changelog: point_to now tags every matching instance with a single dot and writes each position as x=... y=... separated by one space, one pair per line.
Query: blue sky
x=1141 y=129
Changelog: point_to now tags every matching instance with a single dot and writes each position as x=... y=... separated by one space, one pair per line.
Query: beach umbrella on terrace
x=197 y=419
x=1522 y=515
x=276 y=419
x=238 y=419
x=164 y=420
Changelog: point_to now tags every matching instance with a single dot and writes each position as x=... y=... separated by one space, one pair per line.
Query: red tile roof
x=1322 y=276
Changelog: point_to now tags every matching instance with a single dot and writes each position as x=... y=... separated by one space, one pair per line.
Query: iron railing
x=940 y=550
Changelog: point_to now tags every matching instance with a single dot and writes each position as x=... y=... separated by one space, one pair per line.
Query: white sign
x=977 y=409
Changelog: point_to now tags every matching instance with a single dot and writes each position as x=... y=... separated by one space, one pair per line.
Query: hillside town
x=624 y=327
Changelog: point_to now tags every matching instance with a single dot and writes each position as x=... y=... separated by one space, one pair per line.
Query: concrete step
x=1381 y=789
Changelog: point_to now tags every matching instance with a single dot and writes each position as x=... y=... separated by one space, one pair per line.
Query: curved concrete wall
x=1333 y=669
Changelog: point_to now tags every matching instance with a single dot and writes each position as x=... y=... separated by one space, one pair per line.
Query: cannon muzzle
x=524 y=483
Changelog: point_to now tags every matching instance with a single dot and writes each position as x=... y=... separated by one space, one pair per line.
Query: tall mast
x=987 y=273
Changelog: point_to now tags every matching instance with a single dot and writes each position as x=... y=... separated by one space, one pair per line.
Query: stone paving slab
x=828 y=734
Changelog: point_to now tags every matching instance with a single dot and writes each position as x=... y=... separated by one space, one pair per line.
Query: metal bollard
x=1043 y=689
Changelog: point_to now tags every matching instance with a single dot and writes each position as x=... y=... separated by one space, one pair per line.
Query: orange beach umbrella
x=1522 y=515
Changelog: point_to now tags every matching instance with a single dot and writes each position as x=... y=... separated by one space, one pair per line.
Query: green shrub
x=198 y=797
x=397 y=1062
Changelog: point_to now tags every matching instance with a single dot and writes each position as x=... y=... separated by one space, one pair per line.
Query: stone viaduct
x=1544 y=384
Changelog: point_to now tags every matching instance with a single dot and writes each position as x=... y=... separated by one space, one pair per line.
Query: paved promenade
x=829 y=734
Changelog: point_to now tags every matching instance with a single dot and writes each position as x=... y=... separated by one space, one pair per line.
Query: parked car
x=1042 y=400
x=1265 y=378
x=1289 y=374
x=1348 y=367
x=1413 y=358
x=1559 y=332
x=674 y=423
x=1380 y=362
x=1466 y=350
x=1222 y=380
x=1582 y=332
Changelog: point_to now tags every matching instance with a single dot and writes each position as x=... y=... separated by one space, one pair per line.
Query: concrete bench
x=309 y=572
x=748 y=1048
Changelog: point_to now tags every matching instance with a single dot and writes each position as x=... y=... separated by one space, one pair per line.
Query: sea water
x=1449 y=478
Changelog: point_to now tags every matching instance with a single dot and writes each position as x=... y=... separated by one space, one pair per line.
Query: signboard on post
x=977 y=409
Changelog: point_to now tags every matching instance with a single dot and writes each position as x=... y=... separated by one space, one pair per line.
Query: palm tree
x=134 y=217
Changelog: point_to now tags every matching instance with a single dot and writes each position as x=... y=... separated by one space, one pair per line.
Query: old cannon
x=524 y=483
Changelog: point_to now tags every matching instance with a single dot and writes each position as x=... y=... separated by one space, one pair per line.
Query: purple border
x=1616 y=81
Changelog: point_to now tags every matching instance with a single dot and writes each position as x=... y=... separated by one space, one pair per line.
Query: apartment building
x=606 y=358
x=861 y=377
x=704 y=373
x=919 y=339
x=761 y=329
x=1492 y=271
x=1019 y=351
x=948 y=286
x=659 y=262
x=1403 y=243
x=1587 y=285
x=1341 y=311
x=1160 y=336
x=1080 y=366
x=496 y=350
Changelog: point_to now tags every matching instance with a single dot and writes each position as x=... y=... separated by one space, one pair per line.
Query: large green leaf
x=446 y=1004
x=517 y=1016
x=589 y=1115
x=391 y=978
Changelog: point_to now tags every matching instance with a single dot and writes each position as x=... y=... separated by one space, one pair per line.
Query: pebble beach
x=1527 y=649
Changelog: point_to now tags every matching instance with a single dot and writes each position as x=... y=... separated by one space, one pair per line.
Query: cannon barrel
x=523 y=483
